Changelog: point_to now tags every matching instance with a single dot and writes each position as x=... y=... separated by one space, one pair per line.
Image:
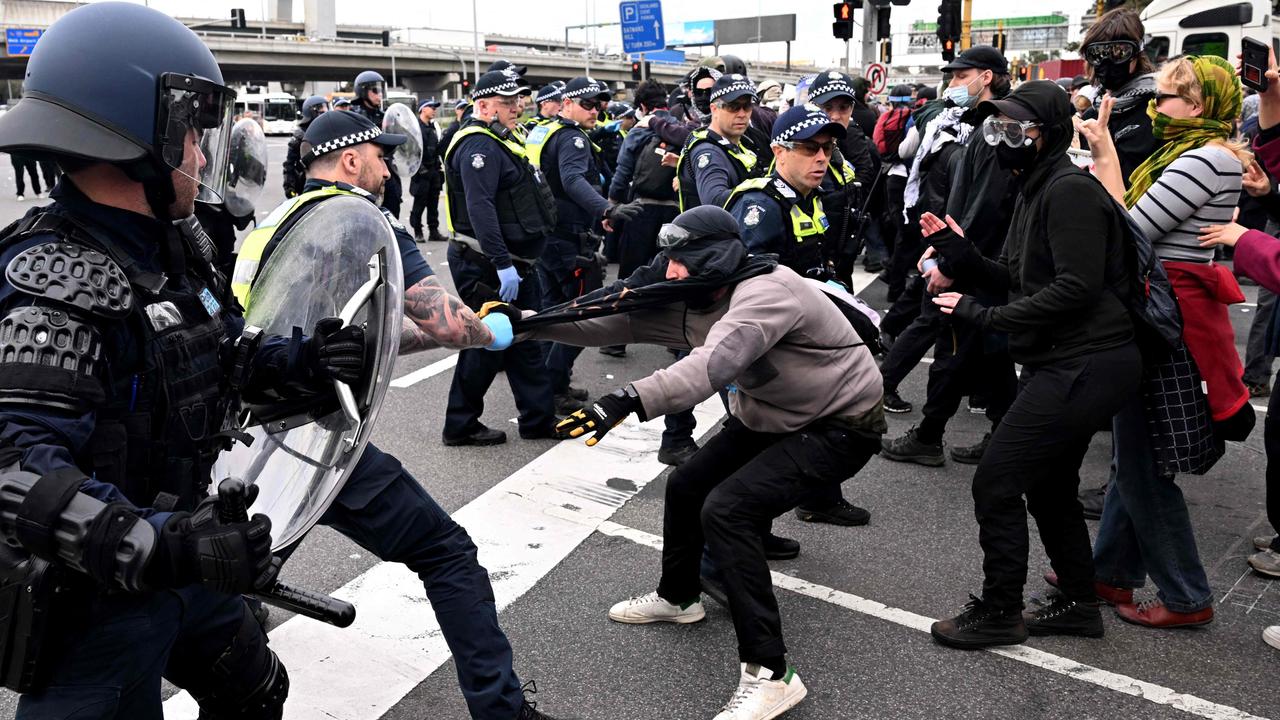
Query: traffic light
x=466 y=86
x=386 y=38
x=883 y=31
x=886 y=51
x=640 y=73
x=944 y=21
x=1023 y=72
x=948 y=49
x=999 y=41
x=842 y=28
x=237 y=19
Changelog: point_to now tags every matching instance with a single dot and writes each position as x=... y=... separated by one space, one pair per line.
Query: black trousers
x=426 y=197
x=910 y=346
x=29 y=166
x=393 y=193
x=907 y=244
x=967 y=360
x=639 y=239
x=1036 y=452
x=1271 y=441
x=727 y=494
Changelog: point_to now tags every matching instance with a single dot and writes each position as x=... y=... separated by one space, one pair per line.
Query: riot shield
x=246 y=167
x=340 y=259
x=399 y=119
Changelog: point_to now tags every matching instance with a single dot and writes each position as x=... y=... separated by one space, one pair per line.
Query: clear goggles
x=1117 y=52
x=196 y=113
x=1013 y=133
x=672 y=236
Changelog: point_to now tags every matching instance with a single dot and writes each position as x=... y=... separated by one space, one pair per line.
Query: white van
x=1207 y=27
x=278 y=111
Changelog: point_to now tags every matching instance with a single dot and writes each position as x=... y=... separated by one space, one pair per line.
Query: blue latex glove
x=500 y=326
x=510 y=280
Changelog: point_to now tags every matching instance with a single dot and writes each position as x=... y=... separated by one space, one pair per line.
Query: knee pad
x=247 y=682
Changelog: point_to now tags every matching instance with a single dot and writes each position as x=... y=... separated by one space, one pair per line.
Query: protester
x=1069 y=327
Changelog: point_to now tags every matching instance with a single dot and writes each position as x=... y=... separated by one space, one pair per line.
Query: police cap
x=585 y=88
x=337 y=130
x=829 y=86
x=803 y=122
x=731 y=87
x=506 y=83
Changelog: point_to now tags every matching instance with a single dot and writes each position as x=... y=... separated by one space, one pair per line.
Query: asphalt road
x=567 y=531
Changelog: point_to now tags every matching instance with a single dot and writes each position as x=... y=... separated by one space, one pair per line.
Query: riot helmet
x=313 y=106
x=370 y=81
x=733 y=64
x=127 y=85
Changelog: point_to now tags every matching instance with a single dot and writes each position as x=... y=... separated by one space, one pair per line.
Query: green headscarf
x=1223 y=96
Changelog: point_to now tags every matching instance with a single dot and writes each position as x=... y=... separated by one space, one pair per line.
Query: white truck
x=1208 y=27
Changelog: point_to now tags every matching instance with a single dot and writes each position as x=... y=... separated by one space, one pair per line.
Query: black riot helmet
x=733 y=64
x=370 y=80
x=313 y=106
x=124 y=84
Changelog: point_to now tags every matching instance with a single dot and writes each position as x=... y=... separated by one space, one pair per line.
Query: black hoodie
x=1063 y=262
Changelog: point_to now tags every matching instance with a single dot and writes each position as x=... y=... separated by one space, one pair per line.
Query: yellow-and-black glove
x=602 y=415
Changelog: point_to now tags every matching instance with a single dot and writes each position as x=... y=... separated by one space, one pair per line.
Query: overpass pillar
x=321 y=19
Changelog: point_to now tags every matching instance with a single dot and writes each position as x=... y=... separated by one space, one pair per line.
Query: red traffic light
x=843 y=11
x=948 y=44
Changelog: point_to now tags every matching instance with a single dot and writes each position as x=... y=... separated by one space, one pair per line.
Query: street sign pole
x=846 y=57
x=644 y=69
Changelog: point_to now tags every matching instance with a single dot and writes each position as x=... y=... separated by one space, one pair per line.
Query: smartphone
x=929 y=264
x=1254 y=60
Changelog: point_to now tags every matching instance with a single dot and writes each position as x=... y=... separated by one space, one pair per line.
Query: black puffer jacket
x=1063 y=261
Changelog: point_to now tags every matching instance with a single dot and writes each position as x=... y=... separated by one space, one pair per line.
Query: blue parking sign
x=642 y=26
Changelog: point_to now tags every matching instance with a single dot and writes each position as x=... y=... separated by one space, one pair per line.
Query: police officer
x=572 y=166
x=342 y=103
x=294 y=174
x=784 y=214
x=369 y=87
x=425 y=185
x=117 y=438
x=714 y=160
x=851 y=164
x=382 y=506
x=497 y=199
x=461 y=111
x=548 y=101
x=608 y=136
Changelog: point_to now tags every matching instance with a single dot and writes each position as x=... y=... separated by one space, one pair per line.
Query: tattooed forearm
x=435 y=318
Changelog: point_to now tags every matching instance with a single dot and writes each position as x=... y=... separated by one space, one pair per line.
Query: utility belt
x=469 y=248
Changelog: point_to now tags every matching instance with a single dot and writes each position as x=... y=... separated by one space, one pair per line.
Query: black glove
x=198 y=547
x=616 y=214
x=969 y=310
x=603 y=415
x=335 y=352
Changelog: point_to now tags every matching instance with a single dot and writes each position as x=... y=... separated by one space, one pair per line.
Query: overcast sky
x=813 y=21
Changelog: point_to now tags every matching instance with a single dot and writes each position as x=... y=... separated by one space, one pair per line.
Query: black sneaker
x=676 y=456
x=566 y=404
x=978 y=405
x=980 y=626
x=1091 y=499
x=971 y=454
x=529 y=708
x=417 y=235
x=1061 y=616
x=895 y=404
x=780 y=548
x=618 y=351
x=842 y=513
x=577 y=393
x=908 y=449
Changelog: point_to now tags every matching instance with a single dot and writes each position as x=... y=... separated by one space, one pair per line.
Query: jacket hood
x=1043 y=102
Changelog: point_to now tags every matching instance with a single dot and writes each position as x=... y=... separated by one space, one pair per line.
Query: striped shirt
x=1201 y=187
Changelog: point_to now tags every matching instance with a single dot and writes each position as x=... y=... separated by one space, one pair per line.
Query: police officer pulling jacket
x=500 y=203
x=122 y=348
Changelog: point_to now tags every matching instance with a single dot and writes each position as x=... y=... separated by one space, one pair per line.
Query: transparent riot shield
x=246 y=167
x=339 y=260
x=399 y=119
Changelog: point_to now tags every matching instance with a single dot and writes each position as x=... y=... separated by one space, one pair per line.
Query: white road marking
x=524 y=526
x=1037 y=658
x=435 y=368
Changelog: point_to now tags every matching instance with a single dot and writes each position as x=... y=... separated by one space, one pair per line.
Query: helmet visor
x=194 y=110
x=672 y=237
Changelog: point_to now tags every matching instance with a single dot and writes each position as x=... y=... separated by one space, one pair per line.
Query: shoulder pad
x=395 y=222
x=72 y=275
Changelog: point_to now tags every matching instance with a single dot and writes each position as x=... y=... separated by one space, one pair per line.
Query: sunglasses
x=1010 y=132
x=808 y=148
x=1161 y=97
x=737 y=106
x=587 y=104
x=1113 y=51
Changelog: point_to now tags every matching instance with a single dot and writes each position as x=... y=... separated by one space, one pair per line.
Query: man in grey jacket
x=804 y=395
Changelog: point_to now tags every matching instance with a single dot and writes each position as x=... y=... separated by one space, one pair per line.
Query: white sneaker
x=652 y=608
x=759 y=698
x=20 y=198
x=1271 y=636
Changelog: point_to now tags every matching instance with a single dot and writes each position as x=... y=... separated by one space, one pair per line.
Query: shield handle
x=346 y=397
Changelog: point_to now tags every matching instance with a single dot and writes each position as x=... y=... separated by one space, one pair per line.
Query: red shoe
x=1153 y=613
x=1109 y=594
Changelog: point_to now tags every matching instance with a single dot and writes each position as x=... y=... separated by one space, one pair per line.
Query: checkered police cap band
x=551 y=92
x=735 y=86
x=329 y=146
x=835 y=86
x=811 y=120
x=511 y=87
x=590 y=90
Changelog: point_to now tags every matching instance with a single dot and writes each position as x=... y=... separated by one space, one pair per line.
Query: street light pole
x=475 y=41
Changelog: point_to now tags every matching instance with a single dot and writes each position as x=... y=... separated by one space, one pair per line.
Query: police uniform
x=294 y=174
x=118 y=345
x=426 y=184
x=382 y=507
x=392 y=191
x=569 y=266
x=548 y=93
x=496 y=198
x=711 y=166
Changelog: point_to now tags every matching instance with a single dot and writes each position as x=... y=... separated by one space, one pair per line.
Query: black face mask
x=702 y=101
x=1113 y=76
x=1019 y=158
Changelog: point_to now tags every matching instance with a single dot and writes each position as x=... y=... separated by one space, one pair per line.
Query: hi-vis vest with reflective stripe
x=250 y=255
x=801 y=250
x=527 y=207
x=537 y=139
x=745 y=159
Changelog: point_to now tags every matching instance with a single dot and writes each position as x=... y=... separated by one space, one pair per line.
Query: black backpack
x=652 y=179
